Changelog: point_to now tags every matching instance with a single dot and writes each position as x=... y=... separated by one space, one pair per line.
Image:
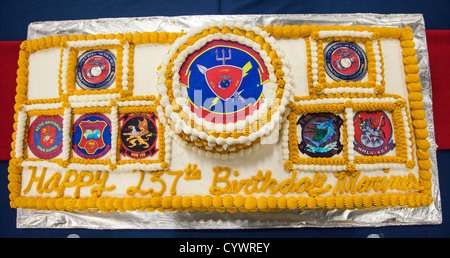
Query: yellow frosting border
x=227 y=202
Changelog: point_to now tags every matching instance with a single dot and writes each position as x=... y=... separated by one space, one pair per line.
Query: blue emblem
x=92 y=136
x=345 y=61
x=96 y=69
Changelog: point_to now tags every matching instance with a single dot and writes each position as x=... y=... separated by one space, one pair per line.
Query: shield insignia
x=92 y=139
x=223 y=80
x=48 y=136
x=45 y=136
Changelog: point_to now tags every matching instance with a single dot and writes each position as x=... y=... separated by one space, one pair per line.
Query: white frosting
x=93 y=98
x=125 y=70
x=67 y=138
x=348 y=89
x=92 y=43
x=314 y=61
x=394 y=74
x=135 y=103
x=378 y=66
x=65 y=52
x=43 y=74
x=46 y=106
x=298 y=64
x=350 y=134
x=346 y=33
x=147 y=58
x=114 y=133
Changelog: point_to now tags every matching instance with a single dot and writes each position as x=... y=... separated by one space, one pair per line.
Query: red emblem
x=224 y=80
x=96 y=69
x=92 y=136
x=345 y=60
x=48 y=134
x=373 y=133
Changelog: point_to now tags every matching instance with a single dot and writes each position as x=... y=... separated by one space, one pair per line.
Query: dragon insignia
x=139 y=134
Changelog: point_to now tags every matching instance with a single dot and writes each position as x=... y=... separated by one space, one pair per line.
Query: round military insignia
x=373 y=133
x=45 y=136
x=92 y=136
x=96 y=69
x=345 y=61
x=138 y=135
x=320 y=134
x=224 y=81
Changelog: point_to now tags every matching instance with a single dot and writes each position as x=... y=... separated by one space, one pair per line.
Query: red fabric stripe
x=9 y=54
x=438 y=42
x=438 y=49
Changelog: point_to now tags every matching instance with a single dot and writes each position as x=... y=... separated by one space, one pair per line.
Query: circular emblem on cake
x=223 y=87
x=224 y=81
x=320 y=134
x=138 y=135
x=45 y=136
x=345 y=61
x=96 y=69
x=92 y=136
x=373 y=133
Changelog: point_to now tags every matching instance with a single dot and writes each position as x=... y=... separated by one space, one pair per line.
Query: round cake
x=223 y=88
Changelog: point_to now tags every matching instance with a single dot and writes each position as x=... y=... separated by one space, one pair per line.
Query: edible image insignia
x=96 y=69
x=138 y=135
x=224 y=81
x=92 y=136
x=373 y=133
x=45 y=136
x=345 y=61
x=320 y=134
